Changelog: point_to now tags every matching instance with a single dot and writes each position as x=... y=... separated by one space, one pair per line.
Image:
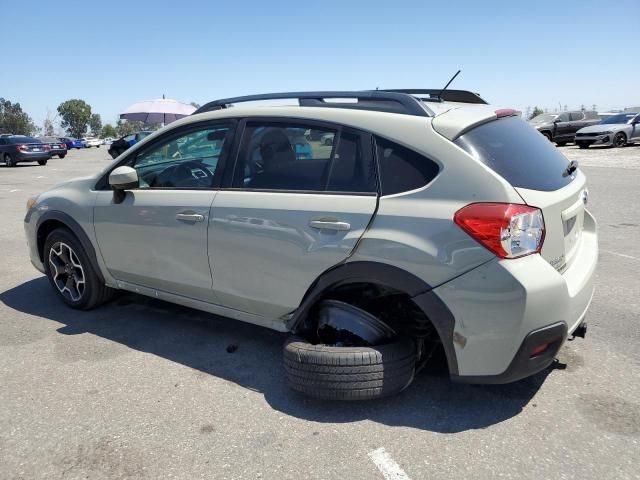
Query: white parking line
x=388 y=467
x=621 y=255
x=14 y=190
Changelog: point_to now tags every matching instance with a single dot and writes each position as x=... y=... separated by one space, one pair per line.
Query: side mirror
x=122 y=179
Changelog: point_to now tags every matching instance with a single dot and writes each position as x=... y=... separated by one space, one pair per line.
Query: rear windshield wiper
x=572 y=167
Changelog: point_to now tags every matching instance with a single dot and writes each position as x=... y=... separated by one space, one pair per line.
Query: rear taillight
x=47 y=147
x=22 y=148
x=506 y=229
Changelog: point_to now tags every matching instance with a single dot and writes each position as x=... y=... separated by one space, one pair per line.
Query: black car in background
x=561 y=127
x=57 y=147
x=15 y=149
x=123 y=143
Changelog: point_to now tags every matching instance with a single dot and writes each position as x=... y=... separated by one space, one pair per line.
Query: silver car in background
x=616 y=131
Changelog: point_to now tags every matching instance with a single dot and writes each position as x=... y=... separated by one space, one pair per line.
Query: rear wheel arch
x=408 y=291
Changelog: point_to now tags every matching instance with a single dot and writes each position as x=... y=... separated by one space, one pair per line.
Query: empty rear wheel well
x=396 y=309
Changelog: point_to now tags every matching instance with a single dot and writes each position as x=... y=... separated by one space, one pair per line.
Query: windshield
x=544 y=118
x=622 y=118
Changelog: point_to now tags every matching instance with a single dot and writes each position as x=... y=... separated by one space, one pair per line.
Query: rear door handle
x=330 y=225
x=190 y=217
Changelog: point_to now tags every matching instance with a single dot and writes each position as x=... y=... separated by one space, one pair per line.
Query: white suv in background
x=381 y=228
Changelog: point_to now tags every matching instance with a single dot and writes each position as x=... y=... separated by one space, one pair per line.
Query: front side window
x=187 y=161
x=563 y=117
x=292 y=157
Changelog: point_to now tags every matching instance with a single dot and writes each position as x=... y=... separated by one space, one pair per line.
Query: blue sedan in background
x=72 y=142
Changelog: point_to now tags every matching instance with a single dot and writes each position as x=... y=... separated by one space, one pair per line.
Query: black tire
x=547 y=135
x=349 y=373
x=42 y=162
x=620 y=140
x=94 y=292
x=9 y=161
x=62 y=155
x=561 y=144
x=583 y=145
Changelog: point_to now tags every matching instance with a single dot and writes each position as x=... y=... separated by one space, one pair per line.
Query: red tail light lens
x=47 y=147
x=506 y=229
x=22 y=148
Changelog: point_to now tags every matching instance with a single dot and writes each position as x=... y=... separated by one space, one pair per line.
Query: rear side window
x=577 y=116
x=402 y=169
x=294 y=157
x=518 y=153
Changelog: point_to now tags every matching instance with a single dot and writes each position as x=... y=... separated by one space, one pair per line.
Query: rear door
x=298 y=200
x=538 y=171
x=563 y=127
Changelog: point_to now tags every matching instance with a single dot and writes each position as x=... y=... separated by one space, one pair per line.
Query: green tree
x=14 y=120
x=75 y=116
x=95 y=122
x=127 y=127
x=109 y=131
x=536 y=111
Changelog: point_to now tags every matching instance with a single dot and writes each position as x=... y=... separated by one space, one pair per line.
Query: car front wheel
x=620 y=140
x=71 y=273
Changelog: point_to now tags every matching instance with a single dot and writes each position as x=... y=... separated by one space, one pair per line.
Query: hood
x=603 y=127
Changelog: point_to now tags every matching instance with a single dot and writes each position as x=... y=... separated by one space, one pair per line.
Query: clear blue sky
x=514 y=53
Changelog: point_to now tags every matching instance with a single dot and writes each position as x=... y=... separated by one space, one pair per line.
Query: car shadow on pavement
x=200 y=341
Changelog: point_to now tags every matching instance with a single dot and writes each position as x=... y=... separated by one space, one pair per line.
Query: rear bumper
x=525 y=364
x=32 y=157
x=499 y=306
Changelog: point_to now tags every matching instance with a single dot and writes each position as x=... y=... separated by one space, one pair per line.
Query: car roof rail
x=377 y=100
x=438 y=95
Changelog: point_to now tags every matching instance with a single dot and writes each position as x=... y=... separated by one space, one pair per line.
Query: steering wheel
x=181 y=175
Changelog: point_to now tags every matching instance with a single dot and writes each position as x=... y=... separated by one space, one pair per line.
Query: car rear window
x=22 y=139
x=518 y=153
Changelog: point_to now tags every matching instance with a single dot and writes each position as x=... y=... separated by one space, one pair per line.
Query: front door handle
x=330 y=225
x=190 y=217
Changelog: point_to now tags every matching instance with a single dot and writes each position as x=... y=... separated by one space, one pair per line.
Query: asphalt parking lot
x=144 y=389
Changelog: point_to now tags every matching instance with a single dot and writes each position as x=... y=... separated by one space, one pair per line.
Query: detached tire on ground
x=349 y=373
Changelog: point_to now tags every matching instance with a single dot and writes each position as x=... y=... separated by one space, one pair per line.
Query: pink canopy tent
x=157 y=111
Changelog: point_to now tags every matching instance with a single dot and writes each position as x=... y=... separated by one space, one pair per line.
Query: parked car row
x=16 y=149
x=587 y=128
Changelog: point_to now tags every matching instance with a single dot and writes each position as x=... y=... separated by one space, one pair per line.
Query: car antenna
x=447 y=85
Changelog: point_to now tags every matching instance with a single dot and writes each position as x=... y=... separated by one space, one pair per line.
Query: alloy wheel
x=66 y=271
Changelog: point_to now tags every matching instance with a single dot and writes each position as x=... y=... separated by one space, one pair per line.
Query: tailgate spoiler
x=456 y=121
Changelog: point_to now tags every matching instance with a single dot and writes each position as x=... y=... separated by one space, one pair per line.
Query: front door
x=299 y=200
x=157 y=236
